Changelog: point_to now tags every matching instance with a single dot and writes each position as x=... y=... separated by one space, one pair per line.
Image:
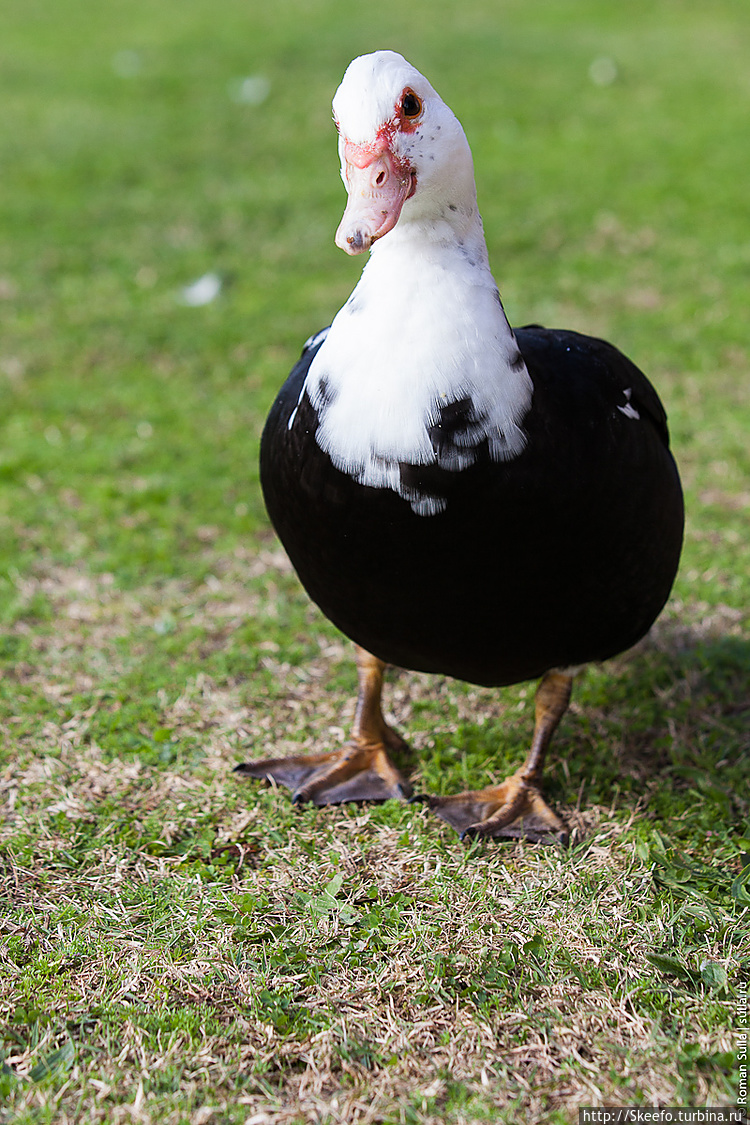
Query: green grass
x=177 y=947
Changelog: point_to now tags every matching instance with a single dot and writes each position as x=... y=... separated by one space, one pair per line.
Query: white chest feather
x=420 y=367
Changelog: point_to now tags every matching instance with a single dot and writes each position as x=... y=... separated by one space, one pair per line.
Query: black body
x=563 y=555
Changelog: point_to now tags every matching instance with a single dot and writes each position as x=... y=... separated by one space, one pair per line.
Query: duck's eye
x=411 y=105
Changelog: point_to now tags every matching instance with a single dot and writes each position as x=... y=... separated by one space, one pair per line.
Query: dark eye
x=411 y=104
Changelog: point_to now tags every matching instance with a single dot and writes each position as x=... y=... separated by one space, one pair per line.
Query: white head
x=404 y=156
x=420 y=366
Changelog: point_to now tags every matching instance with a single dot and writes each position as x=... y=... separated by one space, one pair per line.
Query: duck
x=457 y=497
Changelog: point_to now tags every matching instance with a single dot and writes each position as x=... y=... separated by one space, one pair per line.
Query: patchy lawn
x=180 y=946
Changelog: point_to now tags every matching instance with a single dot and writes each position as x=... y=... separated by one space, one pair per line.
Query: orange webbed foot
x=359 y=771
x=511 y=810
x=515 y=808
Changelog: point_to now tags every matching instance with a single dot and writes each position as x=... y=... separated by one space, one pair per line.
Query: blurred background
x=180 y=948
x=146 y=148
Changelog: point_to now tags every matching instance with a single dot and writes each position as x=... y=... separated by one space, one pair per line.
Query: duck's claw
x=359 y=771
x=353 y=773
x=515 y=809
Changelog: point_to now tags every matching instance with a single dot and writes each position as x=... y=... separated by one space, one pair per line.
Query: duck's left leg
x=516 y=807
x=359 y=771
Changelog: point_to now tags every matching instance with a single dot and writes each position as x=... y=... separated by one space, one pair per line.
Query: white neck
x=423 y=329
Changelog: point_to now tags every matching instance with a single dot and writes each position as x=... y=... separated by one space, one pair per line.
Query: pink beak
x=378 y=185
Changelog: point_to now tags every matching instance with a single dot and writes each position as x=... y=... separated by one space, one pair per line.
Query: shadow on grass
x=664 y=727
x=669 y=725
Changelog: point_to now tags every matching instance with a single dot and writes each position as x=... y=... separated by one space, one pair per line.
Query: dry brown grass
x=465 y=985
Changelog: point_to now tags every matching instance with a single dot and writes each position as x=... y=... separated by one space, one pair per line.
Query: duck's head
x=404 y=156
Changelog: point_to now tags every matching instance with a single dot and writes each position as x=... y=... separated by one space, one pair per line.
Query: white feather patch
x=410 y=340
x=628 y=410
x=420 y=367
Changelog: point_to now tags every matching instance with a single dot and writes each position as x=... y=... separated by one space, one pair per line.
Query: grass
x=181 y=948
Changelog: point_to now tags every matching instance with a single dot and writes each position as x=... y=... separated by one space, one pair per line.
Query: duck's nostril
x=380 y=179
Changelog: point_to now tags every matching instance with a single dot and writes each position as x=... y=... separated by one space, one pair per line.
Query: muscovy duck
x=457 y=497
